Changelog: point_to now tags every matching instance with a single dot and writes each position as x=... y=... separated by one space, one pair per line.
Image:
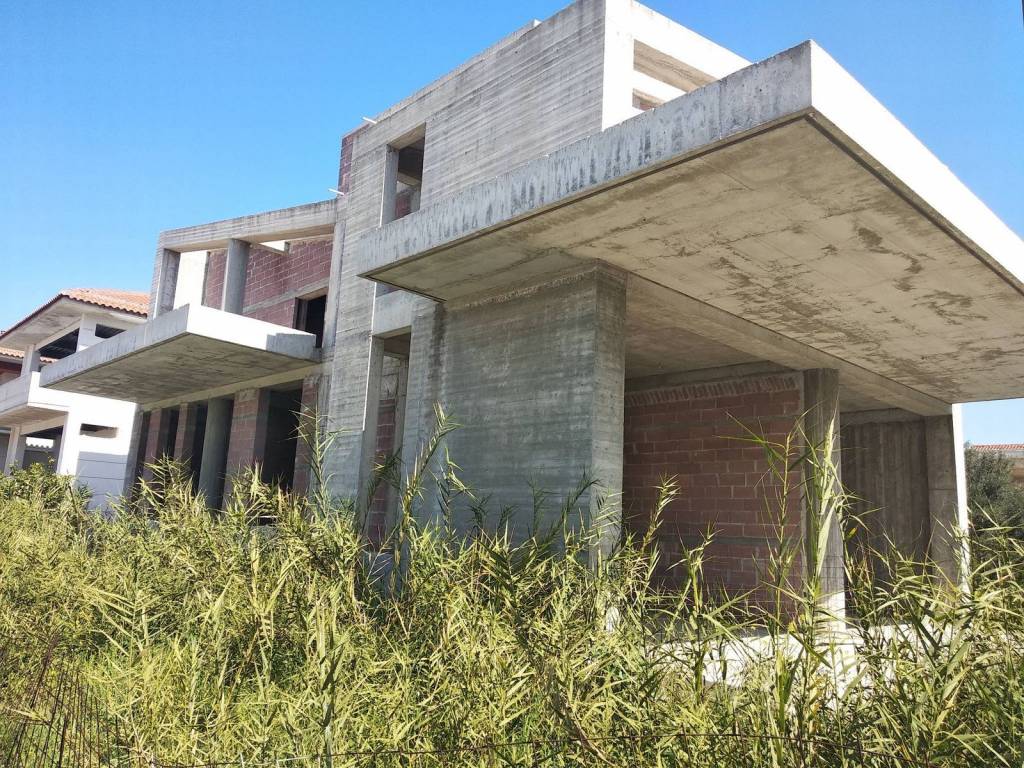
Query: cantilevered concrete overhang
x=23 y=401
x=781 y=212
x=191 y=349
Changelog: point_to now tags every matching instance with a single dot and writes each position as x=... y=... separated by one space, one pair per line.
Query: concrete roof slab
x=191 y=349
x=763 y=196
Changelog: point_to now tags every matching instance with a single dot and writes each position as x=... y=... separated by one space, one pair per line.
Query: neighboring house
x=10 y=368
x=83 y=435
x=606 y=244
x=1012 y=451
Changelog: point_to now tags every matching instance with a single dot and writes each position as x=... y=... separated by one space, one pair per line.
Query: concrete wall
x=535 y=91
x=534 y=377
x=695 y=433
x=884 y=465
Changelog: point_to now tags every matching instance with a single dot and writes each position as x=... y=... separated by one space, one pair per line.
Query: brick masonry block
x=699 y=434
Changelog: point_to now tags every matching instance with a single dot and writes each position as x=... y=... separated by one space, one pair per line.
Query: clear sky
x=122 y=118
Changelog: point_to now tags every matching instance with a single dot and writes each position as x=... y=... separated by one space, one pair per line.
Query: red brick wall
x=214 y=284
x=272 y=279
x=345 y=160
x=689 y=432
x=248 y=432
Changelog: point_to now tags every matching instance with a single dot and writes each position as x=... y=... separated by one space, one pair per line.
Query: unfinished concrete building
x=606 y=244
x=82 y=435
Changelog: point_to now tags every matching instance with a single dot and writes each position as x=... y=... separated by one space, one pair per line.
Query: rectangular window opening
x=310 y=315
x=403 y=177
x=282 y=437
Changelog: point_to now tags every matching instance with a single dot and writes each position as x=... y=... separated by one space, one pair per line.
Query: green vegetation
x=210 y=639
x=995 y=501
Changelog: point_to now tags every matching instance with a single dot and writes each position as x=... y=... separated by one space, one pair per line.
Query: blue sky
x=119 y=119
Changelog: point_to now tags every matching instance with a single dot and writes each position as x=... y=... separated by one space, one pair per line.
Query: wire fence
x=54 y=720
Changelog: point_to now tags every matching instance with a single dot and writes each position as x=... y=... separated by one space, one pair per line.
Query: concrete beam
x=283 y=224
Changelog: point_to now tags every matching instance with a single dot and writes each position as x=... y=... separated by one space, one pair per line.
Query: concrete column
x=70 y=439
x=32 y=360
x=236 y=261
x=387 y=213
x=617 y=88
x=947 y=496
x=86 y=333
x=334 y=289
x=165 y=280
x=15 y=450
x=423 y=379
x=191 y=279
x=536 y=378
x=823 y=540
x=215 y=450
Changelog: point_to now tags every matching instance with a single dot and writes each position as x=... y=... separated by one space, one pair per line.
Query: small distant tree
x=992 y=496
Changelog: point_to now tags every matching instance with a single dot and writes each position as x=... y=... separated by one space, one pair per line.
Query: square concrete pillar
x=32 y=361
x=303 y=479
x=423 y=382
x=947 y=496
x=823 y=540
x=350 y=405
x=235 y=266
x=535 y=377
x=70 y=440
x=215 y=450
x=165 y=281
x=15 y=451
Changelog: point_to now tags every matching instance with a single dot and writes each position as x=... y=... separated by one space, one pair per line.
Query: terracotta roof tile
x=998 y=447
x=136 y=302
